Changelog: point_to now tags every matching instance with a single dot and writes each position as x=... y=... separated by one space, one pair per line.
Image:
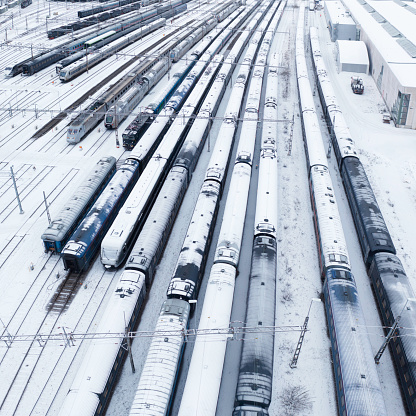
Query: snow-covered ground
x=28 y=276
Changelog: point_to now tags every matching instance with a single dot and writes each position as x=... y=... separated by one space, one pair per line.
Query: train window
x=402 y=362
x=411 y=391
x=344 y=259
x=398 y=349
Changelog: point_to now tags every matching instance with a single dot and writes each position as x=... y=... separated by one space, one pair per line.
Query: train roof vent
x=363 y=376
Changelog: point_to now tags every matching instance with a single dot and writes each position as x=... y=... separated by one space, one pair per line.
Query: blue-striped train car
x=83 y=244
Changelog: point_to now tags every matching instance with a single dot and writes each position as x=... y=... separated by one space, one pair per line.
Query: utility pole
x=391 y=332
x=295 y=358
x=47 y=208
x=15 y=188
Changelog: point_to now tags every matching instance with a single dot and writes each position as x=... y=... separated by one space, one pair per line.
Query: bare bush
x=296 y=399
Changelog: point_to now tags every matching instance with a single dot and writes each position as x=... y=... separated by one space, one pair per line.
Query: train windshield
x=62 y=74
x=109 y=119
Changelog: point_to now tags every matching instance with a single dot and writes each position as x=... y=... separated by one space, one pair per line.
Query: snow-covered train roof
x=74 y=207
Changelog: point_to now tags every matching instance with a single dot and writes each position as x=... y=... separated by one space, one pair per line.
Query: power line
x=70 y=338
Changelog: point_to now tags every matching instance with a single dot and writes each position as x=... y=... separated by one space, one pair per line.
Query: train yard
x=235 y=194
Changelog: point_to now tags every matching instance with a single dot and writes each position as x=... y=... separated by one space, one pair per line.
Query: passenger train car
x=60 y=229
x=357 y=385
x=390 y=284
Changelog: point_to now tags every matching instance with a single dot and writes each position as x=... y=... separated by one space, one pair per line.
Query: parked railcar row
x=121 y=236
x=81 y=249
x=131 y=288
x=391 y=286
x=107 y=6
x=73 y=46
x=357 y=385
x=78 y=63
x=206 y=366
x=41 y=61
x=86 y=121
x=133 y=132
x=101 y=17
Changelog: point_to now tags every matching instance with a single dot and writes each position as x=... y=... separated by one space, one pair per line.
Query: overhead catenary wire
x=71 y=337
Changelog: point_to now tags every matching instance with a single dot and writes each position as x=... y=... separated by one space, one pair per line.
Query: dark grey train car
x=255 y=377
x=61 y=228
x=371 y=228
x=395 y=297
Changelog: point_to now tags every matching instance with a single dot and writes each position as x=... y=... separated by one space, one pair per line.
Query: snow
x=28 y=276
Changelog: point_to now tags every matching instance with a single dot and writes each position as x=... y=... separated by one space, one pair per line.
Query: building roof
x=338 y=13
x=354 y=52
x=390 y=47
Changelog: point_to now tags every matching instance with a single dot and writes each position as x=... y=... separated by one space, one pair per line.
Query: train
x=101 y=17
x=256 y=365
x=61 y=228
x=31 y=66
x=135 y=129
x=358 y=389
x=390 y=284
x=82 y=246
x=107 y=6
x=25 y=3
x=91 y=387
x=78 y=67
x=86 y=121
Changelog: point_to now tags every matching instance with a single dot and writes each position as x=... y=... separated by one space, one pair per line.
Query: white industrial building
x=388 y=29
x=340 y=24
x=352 y=56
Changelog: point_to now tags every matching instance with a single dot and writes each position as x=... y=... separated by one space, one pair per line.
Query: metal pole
x=47 y=208
x=86 y=55
x=391 y=332
x=15 y=188
x=133 y=369
x=295 y=358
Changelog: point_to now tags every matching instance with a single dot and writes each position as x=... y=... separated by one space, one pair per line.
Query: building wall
x=388 y=84
x=357 y=68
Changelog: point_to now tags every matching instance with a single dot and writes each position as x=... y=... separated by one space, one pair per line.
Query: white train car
x=95 y=379
x=153 y=395
x=343 y=144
